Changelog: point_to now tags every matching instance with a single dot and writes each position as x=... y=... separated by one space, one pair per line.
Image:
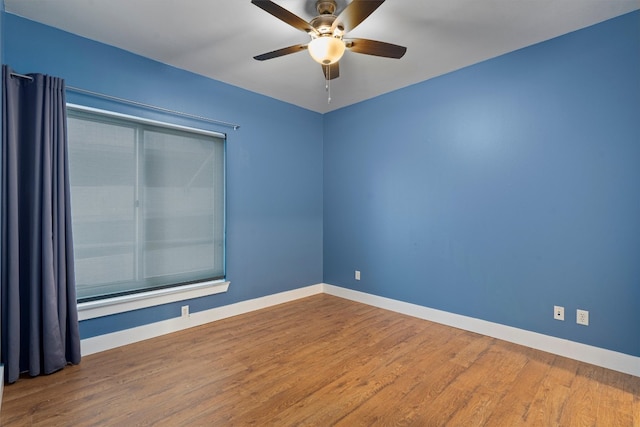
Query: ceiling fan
x=327 y=30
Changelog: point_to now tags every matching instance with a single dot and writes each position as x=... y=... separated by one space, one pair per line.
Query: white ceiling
x=219 y=38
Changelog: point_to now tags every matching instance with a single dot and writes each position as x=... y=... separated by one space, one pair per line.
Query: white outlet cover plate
x=558 y=312
x=582 y=317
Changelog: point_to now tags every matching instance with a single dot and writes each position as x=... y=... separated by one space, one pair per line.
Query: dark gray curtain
x=39 y=314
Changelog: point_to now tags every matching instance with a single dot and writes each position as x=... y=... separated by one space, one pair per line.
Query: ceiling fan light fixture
x=326 y=50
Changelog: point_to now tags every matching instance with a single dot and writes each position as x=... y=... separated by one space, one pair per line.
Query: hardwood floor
x=325 y=361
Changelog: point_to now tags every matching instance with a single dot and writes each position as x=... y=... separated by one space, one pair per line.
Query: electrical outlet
x=582 y=317
x=185 y=311
x=357 y=274
x=558 y=312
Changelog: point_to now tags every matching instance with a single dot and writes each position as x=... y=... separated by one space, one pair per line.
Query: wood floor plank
x=357 y=385
x=548 y=403
x=582 y=402
x=470 y=353
x=478 y=408
x=363 y=358
x=516 y=402
x=613 y=400
x=497 y=379
x=324 y=361
x=632 y=387
x=430 y=373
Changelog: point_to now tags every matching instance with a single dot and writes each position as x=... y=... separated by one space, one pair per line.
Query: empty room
x=320 y=212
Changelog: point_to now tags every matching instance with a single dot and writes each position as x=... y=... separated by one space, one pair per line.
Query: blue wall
x=500 y=190
x=496 y=191
x=274 y=161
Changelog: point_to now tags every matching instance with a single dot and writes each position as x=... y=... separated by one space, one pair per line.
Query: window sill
x=108 y=306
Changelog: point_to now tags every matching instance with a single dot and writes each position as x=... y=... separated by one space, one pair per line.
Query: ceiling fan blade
x=355 y=12
x=281 y=52
x=331 y=71
x=284 y=15
x=373 y=47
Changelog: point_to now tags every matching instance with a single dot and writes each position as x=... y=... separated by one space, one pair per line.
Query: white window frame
x=124 y=303
x=121 y=304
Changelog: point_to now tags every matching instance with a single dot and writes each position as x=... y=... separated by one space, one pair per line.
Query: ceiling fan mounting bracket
x=326 y=7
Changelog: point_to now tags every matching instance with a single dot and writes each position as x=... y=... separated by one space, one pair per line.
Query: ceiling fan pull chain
x=328 y=84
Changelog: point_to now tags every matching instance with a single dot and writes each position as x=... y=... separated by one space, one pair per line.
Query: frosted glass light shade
x=326 y=50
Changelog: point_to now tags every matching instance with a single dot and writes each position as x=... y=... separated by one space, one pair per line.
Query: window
x=147 y=204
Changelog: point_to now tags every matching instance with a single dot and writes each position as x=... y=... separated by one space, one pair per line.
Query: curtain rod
x=140 y=104
x=153 y=107
x=22 y=76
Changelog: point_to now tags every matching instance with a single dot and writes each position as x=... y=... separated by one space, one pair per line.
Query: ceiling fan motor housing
x=322 y=23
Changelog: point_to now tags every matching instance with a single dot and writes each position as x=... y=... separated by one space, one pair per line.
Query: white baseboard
x=140 y=333
x=585 y=353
